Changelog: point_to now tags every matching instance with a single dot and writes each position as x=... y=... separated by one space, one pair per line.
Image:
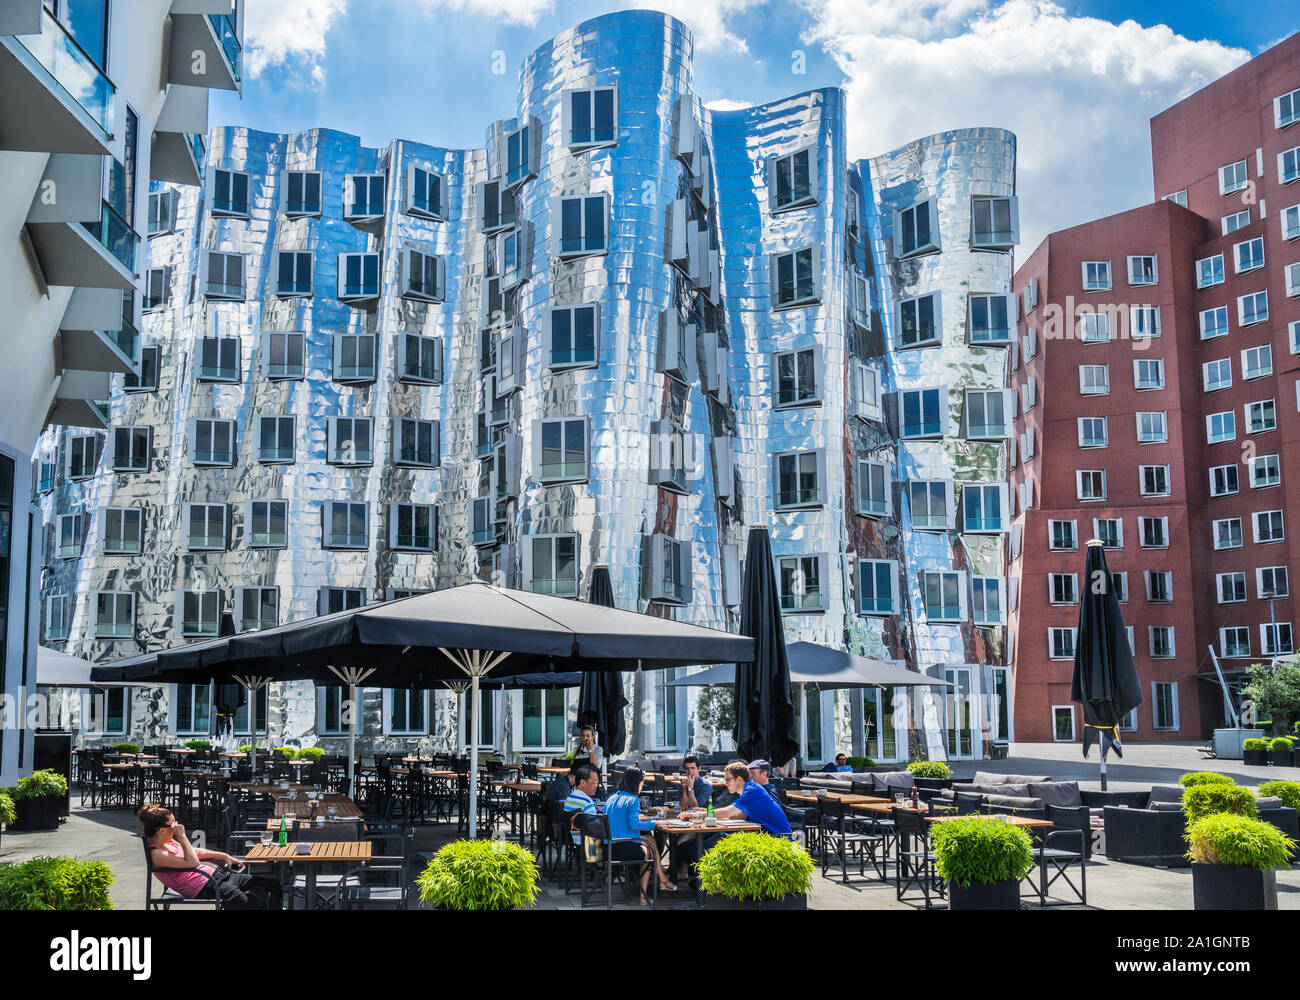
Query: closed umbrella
x=600 y=697
x=764 y=709
x=1105 y=679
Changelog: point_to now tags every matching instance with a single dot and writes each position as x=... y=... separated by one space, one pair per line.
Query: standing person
x=628 y=831
x=588 y=749
x=180 y=866
x=585 y=781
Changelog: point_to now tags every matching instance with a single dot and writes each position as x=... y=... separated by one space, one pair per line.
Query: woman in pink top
x=179 y=865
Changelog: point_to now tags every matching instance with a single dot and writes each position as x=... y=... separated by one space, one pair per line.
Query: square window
x=1154 y=480
x=1272 y=582
x=798 y=480
x=1249 y=255
x=424 y=198
x=1217 y=374
x=1223 y=480
x=200 y=612
x=945 y=596
x=1063 y=588
x=225 y=276
x=302 y=193
x=931 y=504
x=230 y=193
x=284 y=356
x=583 y=224
x=1221 y=427
x=1144 y=321
x=1060 y=645
x=1234 y=641
x=1257 y=362
x=1162 y=645
x=1096 y=275
x=1160 y=586
x=873 y=489
x=991 y=319
x=1094 y=327
x=1238 y=220
x=212 y=442
x=1268 y=526
x=1265 y=471
x=995 y=223
x=1142 y=270
x=799 y=584
x=294 y=273
x=1290 y=219
x=1286 y=109
x=71 y=535
x=795 y=277
x=358 y=277
x=1230 y=587
x=1091 y=484
x=792 y=180
x=1227 y=533
x=796 y=377
x=131 y=448
x=114 y=615
x=259 y=607
x=984 y=507
x=496 y=207
x=1209 y=271
x=205 y=526
x=1288 y=165
x=350 y=441
x=1149 y=374
x=1063 y=536
x=877 y=586
x=363 y=196
x=591 y=117
x=919 y=323
x=551 y=564
x=572 y=339
x=422 y=276
x=988 y=600
x=219 y=359
x=354 y=357
x=413 y=527
x=162 y=212
x=147 y=380
x=1214 y=322
x=916 y=230
x=1153 y=532
x=345 y=525
x=987 y=413
x=1233 y=177
x=267 y=524
x=1109 y=531
x=1276 y=639
x=1092 y=432
x=562 y=451
x=1261 y=416
x=924 y=413
x=276 y=439
x=416 y=443
x=334 y=600
x=1152 y=427
x=1252 y=308
x=1094 y=380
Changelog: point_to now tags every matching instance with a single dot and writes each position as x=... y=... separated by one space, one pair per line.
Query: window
x=1094 y=327
x=1164 y=699
x=302 y=193
x=81 y=456
x=995 y=223
x=1223 y=480
x=1221 y=427
x=349 y=441
x=925 y=413
x=666 y=569
x=1233 y=177
x=71 y=534
x=931 y=503
x=1292 y=275
x=1119 y=584
x=1249 y=255
x=131 y=448
x=200 y=612
x=1149 y=374
x=114 y=615
x=792 y=180
x=206 y=526
x=988 y=600
x=122 y=530
x=424 y=193
x=1142 y=270
x=162 y=212
x=482 y=522
x=1231 y=223
x=562 y=450
x=1152 y=427
x=229 y=193
x=1153 y=532
x=1090 y=484
x=1063 y=719
x=496 y=207
x=877 y=584
x=1234 y=642
x=868 y=392
x=519 y=158
x=363 y=196
x=799 y=583
x=1209 y=271
x=873 y=489
x=358 y=276
x=1060 y=646
x=854 y=215
x=1217 y=374
x=413 y=526
x=1109 y=531
x=1214 y=323
x=334 y=600
x=1293 y=330
x=192 y=705
x=294 y=273
x=795 y=277
x=1094 y=380
x=1231 y=587
x=147 y=380
x=1092 y=432
x=406 y=712
x=1153 y=480
x=421 y=360
x=1268 y=526
x=1275 y=638
x=219 y=359
x=945 y=596
x=1027 y=444
x=551 y=564
x=1030 y=296
x=1288 y=165
x=1272 y=581
x=259 y=607
x=1265 y=470
x=1290 y=219
x=919 y=323
x=1144 y=321
x=1096 y=275
x=1030 y=343
x=545 y=717
x=212 y=442
x=1063 y=588
x=1227 y=533
x=1063 y=536
x=984 y=507
x=354 y=357
x=225 y=276
x=1252 y=308
x=798 y=479
x=991 y=318
x=571 y=336
x=1256 y=362
x=582 y=225
x=1178 y=198
x=796 y=377
x=1261 y=416
x=423 y=276
x=345 y=525
x=267 y=525
x=916 y=229
x=58 y=616
x=416 y=443
x=157 y=288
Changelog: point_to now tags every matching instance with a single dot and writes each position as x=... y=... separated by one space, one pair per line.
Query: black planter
x=1281 y=758
x=1254 y=758
x=933 y=782
x=1231 y=887
x=37 y=814
x=799 y=902
x=997 y=896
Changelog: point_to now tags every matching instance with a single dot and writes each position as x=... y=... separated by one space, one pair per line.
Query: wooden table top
x=273 y=824
x=261 y=788
x=848 y=798
x=884 y=807
x=723 y=826
x=552 y=770
x=301 y=808
x=321 y=850
x=183 y=750
x=236 y=753
x=131 y=765
x=1013 y=820
x=520 y=786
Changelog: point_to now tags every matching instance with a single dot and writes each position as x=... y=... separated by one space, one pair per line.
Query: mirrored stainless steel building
x=620 y=333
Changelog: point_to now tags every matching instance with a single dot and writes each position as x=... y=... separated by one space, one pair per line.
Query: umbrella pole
x=252 y=727
x=352 y=734
x=1103 y=767
x=476 y=663
x=803 y=725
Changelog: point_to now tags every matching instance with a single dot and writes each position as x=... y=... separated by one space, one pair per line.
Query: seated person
x=841 y=764
x=626 y=829
x=754 y=803
x=696 y=789
x=588 y=751
x=585 y=781
x=561 y=786
x=790 y=769
x=178 y=865
x=760 y=772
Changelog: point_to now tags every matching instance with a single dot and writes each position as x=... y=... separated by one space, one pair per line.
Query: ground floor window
x=885 y=713
x=331 y=709
x=108 y=712
x=406 y=712
x=1164 y=704
x=192 y=709
x=1063 y=723
x=544 y=716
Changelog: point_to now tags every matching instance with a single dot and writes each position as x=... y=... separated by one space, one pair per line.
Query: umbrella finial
x=1096 y=541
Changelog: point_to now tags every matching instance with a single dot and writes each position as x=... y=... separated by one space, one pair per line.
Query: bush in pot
x=479 y=875
x=756 y=870
x=198 y=745
x=310 y=753
x=983 y=859
x=6 y=809
x=56 y=884
x=858 y=763
x=1205 y=778
x=1234 y=862
x=1280 y=752
x=1254 y=752
x=929 y=769
x=1287 y=791
x=38 y=800
x=126 y=748
x=1200 y=801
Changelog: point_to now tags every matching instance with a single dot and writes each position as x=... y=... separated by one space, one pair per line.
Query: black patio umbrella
x=229 y=698
x=1105 y=680
x=765 y=726
x=600 y=697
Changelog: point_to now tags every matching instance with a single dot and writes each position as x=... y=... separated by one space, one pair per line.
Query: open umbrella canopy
x=1105 y=679
x=600 y=697
x=55 y=669
x=828 y=668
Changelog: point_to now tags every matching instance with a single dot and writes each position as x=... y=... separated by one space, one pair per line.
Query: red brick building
x=1160 y=389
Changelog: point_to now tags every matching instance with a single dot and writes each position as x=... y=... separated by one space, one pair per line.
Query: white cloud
x=289 y=35
x=1077 y=91
x=707 y=20
x=727 y=104
x=525 y=12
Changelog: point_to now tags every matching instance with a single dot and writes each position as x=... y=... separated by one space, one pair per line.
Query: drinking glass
x=332 y=811
x=266 y=838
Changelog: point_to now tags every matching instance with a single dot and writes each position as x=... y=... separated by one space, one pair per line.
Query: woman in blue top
x=629 y=833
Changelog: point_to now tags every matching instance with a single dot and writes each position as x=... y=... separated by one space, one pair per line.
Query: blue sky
x=424 y=70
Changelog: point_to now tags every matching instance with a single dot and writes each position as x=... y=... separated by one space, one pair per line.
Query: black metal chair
x=914 y=861
x=385 y=879
x=594 y=828
x=967 y=802
x=1058 y=852
x=170 y=897
x=1073 y=818
x=842 y=836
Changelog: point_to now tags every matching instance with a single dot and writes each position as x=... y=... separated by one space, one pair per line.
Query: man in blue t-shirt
x=696 y=789
x=754 y=803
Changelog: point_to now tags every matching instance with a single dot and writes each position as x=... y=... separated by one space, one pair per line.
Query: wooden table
x=517 y=790
x=301 y=808
x=139 y=768
x=553 y=770
x=885 y=806
x=183 y=751
x=261 y=788
x=848 y=798
x=699 y=830
x=273 y=824
x=354 y=852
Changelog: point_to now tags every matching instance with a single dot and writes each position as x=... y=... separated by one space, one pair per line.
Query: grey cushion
x=1020 y=791
x=989 y=778
x=1160 y=806
x=1057 y=793
x=1165 y=793
x=1269 y=802
x=892 y=779
x=1014 y=801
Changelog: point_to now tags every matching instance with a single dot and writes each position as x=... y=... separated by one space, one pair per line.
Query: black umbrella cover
x=1105 y=679
x=765 y=721
x=600 y=696
x=228 y=698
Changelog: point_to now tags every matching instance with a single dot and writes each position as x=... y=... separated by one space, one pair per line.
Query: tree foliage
x=716 y=709
x=1276 y=693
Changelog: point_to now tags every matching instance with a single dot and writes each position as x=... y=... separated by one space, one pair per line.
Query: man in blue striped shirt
x=586 y=779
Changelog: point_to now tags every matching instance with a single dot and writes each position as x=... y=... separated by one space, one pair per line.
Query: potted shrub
x=38 y=801
x=1200 y=801
x=1254 y=753
x=745 y=871
x=1280 y=752
x=1205 y=778
x=861 y=763
x=313 y=754
x=479 y=875
x=930 y=774
x=6 y=809
x=245 y=748
x=983 y=859
x=1234 y=862
x=1287 y=791
x=126 y=748
x=198 y=745
x=56 y=884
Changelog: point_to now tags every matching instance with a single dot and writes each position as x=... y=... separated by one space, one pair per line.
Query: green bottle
x=709 y=820
x=284 y=832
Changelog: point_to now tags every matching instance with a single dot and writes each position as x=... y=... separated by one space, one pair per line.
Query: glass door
x=813 y=754
x=880 y=708
x=959 y=713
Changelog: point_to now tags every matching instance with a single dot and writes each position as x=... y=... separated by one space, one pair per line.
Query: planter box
x=1230 y=887
x=1281 y=758
x=37 y=814
x=998 y=896
x=712 y=902
x=1254 y=758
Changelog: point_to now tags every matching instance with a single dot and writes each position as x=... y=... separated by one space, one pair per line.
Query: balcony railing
x=73 y=70
x=116 y=236
x=229 y=40
x=198 y=151
x=127 y=339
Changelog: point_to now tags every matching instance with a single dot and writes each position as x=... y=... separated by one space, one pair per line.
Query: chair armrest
x=1135 y=800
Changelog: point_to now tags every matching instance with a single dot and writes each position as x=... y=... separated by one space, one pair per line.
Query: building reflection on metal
x=709 y=244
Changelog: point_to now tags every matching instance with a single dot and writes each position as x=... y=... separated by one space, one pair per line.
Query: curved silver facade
x=680 y=412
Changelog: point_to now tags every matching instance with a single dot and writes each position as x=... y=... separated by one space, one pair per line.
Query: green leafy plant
x=858 y=762
x=1287 y=791
x=1200 y=801
x=1253 y=744
x=1225 y=839
x=6 y=809
x=286 y=753
x=1275 y=692
x=929 y=769
x=1205 y=778
x=310 y=753
x=981 y=850
x=246 y=747
x=480 y=875
x=56 y=884
x=1281 y=743
x=39 y=785
x=198 y=745
x=126 y=748
x=715 y=709
x=755 y=866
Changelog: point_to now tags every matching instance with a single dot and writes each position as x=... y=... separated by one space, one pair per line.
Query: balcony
x=84 y=254
x=178 y=152
x=87 y=338
x=81 y=400
x=56 y=99
x=206 y=50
